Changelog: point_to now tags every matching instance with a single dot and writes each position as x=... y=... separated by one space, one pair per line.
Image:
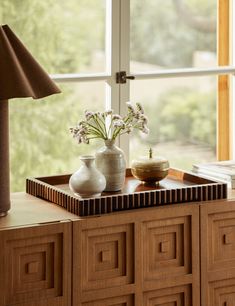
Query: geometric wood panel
x=37 y=265
x=222 y=293
x=218 y=253
x=107 y=256
x=221 y=230
x=127 y=300
x=167 y=248
x=138 y=253
x=176 y=296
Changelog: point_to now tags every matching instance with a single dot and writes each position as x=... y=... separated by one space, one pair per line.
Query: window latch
x=121 y=77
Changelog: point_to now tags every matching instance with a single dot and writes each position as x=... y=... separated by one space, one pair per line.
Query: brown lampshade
x=20 y=76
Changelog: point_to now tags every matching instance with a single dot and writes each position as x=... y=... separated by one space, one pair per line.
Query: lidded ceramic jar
x=150 y=169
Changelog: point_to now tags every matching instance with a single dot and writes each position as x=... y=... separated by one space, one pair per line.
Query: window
x=40 y=141
x=83 y=44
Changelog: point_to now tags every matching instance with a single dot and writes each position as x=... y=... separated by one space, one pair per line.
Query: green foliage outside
x=40 y=141
x=183 y=115
x=62 y=35
x=160 y=36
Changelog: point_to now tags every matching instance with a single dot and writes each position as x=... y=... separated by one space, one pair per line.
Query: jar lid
x=150 y=162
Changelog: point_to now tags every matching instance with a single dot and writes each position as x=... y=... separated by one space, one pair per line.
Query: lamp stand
x=4 y=159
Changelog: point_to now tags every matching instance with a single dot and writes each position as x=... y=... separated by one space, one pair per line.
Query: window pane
x=182 y=120
x=40 y=141
x=173 y=34
x=64 y=36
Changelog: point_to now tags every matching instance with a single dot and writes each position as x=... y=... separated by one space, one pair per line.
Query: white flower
x=82 y=131
x=140 y=108
x=143 y=118
x=129 y=129
x=119 y=123
x=117 y=117
x=137 y=115
x=108 y=112
x=79 y=139
x=106 y=125
x=144 y=129
x=89 y=115
x=71 y=130
x=130 y=108
x=74 y=131
x=81 y=124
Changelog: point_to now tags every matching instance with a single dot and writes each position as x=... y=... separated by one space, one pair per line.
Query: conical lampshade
x=20 y=76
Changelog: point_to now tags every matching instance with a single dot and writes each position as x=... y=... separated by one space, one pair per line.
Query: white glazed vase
x=88 y=181
x=110 y=160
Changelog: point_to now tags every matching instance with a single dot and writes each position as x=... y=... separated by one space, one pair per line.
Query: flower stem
x=97 y=130
x=102 y=129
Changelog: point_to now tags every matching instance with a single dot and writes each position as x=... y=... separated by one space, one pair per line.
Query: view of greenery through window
x=181 y=111
x=61 y=35
x=69 y=37
x=182 y=121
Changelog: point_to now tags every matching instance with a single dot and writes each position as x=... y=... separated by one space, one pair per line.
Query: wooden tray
x=177 y=187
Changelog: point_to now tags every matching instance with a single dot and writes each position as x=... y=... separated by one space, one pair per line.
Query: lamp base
x=4 y=159
x=3 y=214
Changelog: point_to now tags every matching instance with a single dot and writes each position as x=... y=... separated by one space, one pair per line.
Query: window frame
x=224 y=103
x=118 y=59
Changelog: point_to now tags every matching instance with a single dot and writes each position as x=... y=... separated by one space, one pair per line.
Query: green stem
x=97 y=130
x=110 y=127
x=94 y=137
x=92 y=132
x=116 y=132
x=103 y=129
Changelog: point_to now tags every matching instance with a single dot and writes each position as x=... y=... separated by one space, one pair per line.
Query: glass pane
x=64 y=36
x=182 y=119
x=40 y=140
x=173 y=34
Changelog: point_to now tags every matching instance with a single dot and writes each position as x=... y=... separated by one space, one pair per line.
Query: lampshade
x=20 y=76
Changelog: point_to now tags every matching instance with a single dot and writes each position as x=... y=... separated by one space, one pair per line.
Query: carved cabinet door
x=218 y=254
x=35 y=265
x=147 y=257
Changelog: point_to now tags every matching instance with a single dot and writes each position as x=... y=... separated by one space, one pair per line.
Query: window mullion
x=125 y=66
x=112 y=54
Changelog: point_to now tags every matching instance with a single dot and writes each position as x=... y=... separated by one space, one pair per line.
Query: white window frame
x=118 y=59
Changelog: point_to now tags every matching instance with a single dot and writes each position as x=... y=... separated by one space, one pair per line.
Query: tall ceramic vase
x=88 y=181
x=110 y=160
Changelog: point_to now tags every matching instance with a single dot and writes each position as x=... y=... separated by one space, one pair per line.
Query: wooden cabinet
x=35 y=259
x=35 y=263
x=175 y=255
x=144 y=257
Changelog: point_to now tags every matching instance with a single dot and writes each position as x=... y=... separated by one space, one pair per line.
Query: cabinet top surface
x=26 y=210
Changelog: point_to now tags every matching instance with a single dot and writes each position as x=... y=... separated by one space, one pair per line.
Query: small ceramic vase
x=88 y=181
x=110 y=160
x=150 y=170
